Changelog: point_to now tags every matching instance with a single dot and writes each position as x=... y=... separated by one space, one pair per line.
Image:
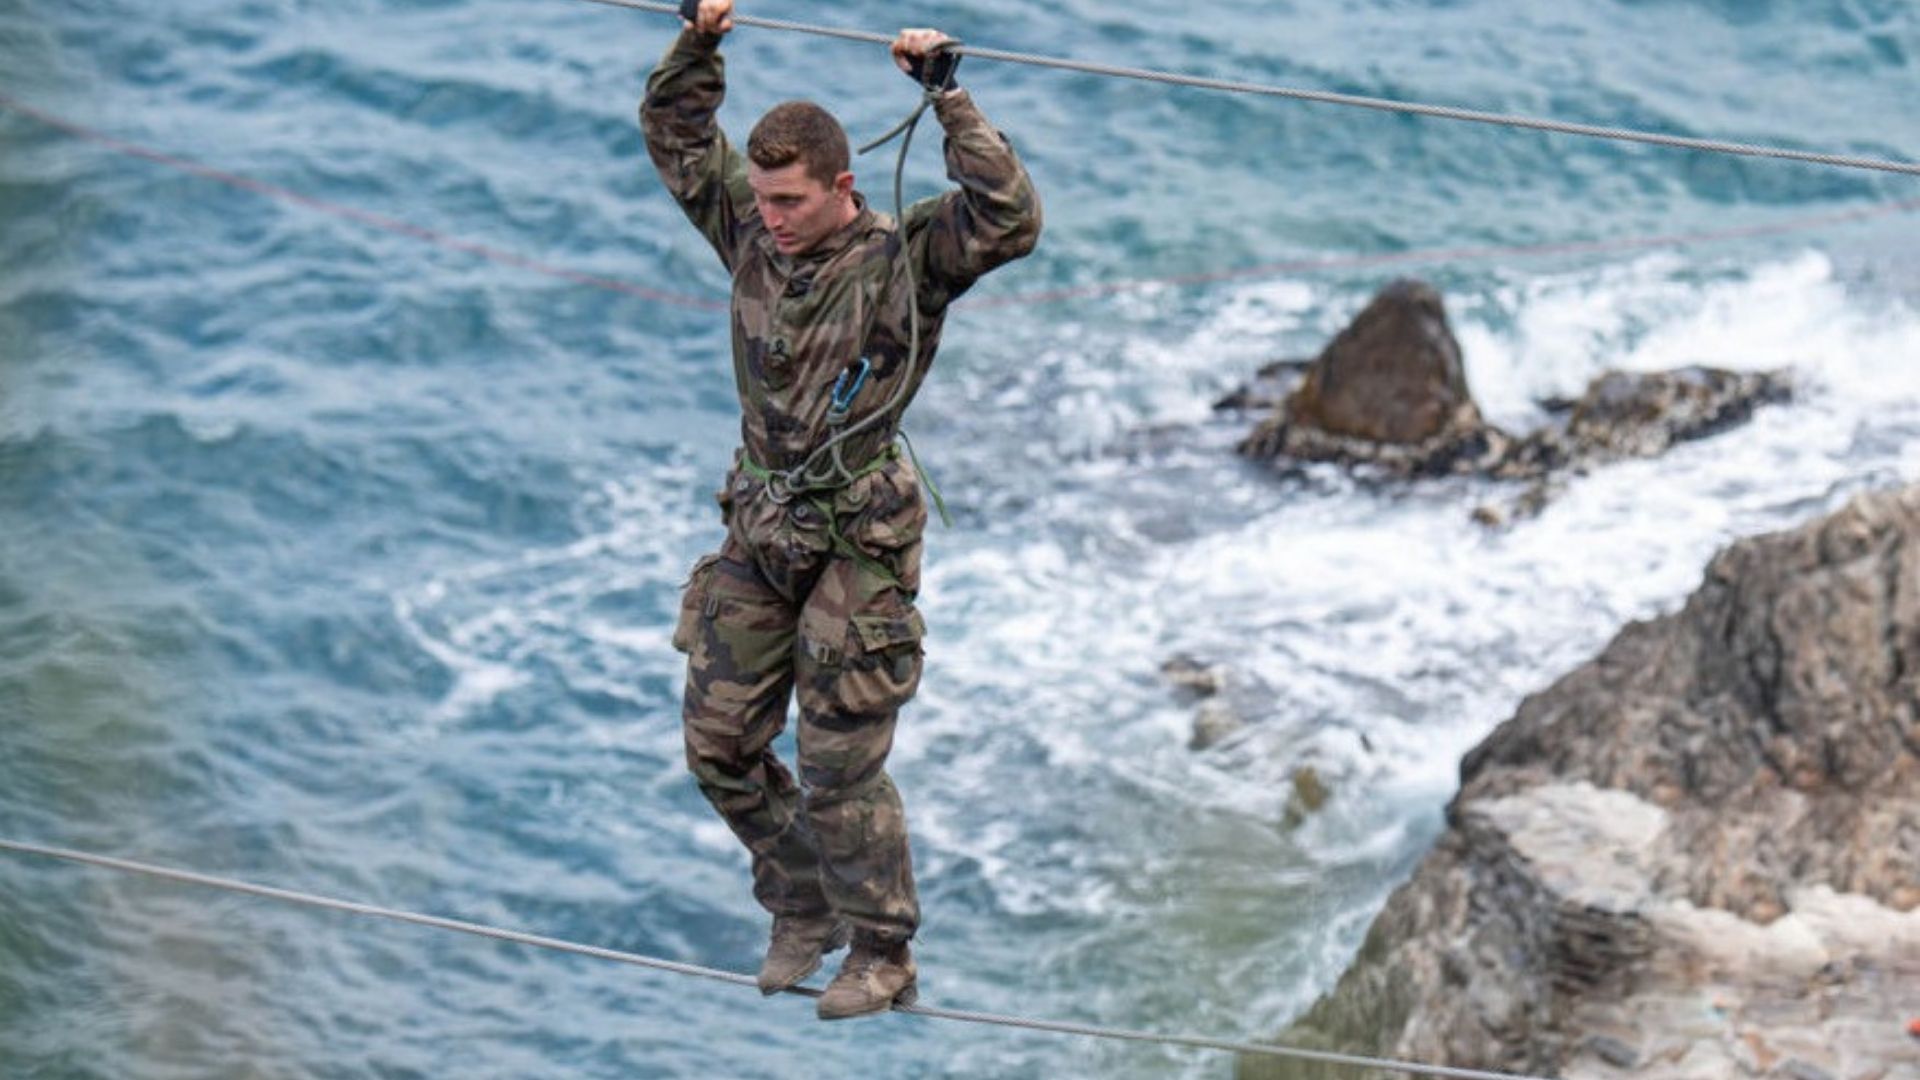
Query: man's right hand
x=711 y=17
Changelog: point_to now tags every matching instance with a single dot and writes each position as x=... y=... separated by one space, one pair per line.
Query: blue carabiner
x=844 y=394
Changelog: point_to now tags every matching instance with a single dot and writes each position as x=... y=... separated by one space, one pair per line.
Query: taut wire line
x=188 y=877
x=717 y=302
x=1327 y=97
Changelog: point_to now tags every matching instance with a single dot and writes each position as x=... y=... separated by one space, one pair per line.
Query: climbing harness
x=825 y=469
x=351 y=907
x=820 y=501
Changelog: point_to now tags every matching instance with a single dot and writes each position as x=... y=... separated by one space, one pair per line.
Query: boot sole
x=907 y=996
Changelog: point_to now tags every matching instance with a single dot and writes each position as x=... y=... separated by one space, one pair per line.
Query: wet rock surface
x=1389 y=395
x=1697 y=856
x=1221 y=698
x=1393 y=375
x=1388 y=391
x=1624 y=415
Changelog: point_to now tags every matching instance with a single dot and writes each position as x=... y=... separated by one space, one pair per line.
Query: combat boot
x=799 y=941
x=873 y=977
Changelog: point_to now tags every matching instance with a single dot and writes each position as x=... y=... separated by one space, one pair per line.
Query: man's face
x=799 y=211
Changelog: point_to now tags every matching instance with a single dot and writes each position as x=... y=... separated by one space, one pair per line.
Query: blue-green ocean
x=362 y=397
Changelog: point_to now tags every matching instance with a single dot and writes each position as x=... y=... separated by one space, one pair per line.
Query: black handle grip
x=935 y=70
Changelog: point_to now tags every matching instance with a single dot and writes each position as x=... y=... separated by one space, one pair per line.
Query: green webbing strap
x=844 y=546
x=768 y=476
x=927 y=479
x=823 y=502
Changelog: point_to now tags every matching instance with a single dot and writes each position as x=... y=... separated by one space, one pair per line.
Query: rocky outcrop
x=1626 y=415
x=1393 y=375
x=1389 y=394
x=1698 y=856
x=1388 y=391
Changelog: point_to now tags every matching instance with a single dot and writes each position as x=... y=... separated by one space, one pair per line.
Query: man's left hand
x=921 y=53
x=707 y=16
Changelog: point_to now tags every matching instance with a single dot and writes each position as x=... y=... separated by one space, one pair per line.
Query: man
x=812 y=592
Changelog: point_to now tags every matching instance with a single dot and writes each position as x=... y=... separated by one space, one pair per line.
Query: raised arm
x=701 y=169
x=993 y=216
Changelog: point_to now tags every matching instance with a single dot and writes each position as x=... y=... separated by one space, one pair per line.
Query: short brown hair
x=800 y=131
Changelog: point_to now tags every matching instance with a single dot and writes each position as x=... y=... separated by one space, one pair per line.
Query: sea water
x=351 y=459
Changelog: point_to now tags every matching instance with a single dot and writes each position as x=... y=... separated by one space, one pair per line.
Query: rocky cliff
x=1698 y=856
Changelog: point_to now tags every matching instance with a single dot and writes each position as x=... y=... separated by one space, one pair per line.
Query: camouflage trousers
x=811 y=599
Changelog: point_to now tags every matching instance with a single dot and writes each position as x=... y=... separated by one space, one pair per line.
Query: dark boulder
x=1393 y=375
x=1388 y=391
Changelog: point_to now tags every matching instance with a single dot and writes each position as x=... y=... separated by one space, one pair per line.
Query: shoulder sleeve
x=991 y=218
x=701 y=169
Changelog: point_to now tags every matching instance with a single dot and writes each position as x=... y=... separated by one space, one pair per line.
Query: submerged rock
x=1217 y=718
x=1268 y=389
x=1213 y=723
x=1698 y=856
x=1195 y=676
x=1309 y=793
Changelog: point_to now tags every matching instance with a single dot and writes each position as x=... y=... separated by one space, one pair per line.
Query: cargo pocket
x=884 y=671
x=883 y=521
x=696 y=604
x=888 y=514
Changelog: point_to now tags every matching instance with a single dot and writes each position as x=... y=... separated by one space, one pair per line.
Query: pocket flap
x=696 y=600
x=878 y=632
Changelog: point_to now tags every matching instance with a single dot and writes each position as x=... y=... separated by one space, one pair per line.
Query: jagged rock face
x=1698 y=856
x=1643 y=414
x=1393 y=375
x=1640 y=415
x=1777 y=715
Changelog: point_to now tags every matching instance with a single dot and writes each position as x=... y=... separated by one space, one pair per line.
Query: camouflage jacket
x=799 y=321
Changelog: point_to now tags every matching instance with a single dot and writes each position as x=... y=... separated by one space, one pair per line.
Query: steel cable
x=189 y=877
x=1309 y=264
x=1327 y=97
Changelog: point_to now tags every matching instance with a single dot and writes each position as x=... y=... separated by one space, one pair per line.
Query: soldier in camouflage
x=812 y=591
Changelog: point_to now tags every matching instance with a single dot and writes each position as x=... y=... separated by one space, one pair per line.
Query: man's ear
x=843 y=185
